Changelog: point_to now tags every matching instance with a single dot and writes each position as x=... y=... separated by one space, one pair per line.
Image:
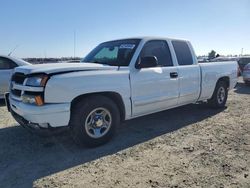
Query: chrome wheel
x=98 y=122
x=221 y=94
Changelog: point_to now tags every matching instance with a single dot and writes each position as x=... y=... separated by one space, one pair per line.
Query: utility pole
x=45 y=54
x=74 y=44
x=241 y=51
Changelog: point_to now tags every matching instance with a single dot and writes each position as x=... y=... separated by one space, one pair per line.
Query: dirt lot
x=190 y=146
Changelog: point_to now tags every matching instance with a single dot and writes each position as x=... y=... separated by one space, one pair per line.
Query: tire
x=219 y=97
x=94 y=120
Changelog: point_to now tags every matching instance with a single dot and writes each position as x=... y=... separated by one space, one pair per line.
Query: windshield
x=114 y=53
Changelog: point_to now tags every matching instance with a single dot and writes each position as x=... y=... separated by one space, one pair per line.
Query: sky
x=45 y=28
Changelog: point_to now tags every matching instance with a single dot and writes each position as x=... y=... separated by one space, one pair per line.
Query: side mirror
x=146 y=62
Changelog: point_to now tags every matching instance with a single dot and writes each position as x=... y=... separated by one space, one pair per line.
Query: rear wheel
x=220 y=94
x=94 y=120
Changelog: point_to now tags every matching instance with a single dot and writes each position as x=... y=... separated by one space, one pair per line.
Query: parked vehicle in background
x=202 y=60
x=74 y=61
x=246 y=74
x=222 y=58
x=242 y=62
x=118 y=80
x=7 y=65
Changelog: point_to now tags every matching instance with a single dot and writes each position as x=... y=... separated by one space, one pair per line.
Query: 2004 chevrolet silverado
x=116 y=81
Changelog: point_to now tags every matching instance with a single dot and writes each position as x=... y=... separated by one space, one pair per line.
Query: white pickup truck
x=116 y=81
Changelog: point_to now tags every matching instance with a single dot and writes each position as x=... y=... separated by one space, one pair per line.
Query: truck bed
x=210 y=72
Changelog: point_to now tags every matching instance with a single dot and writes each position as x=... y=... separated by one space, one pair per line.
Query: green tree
x=211 y=54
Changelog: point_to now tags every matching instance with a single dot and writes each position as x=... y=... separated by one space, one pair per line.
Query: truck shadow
x=25 y=158
x=242 y=88
x=2 y=102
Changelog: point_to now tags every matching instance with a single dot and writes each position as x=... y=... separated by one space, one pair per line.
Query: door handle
x=173 y=74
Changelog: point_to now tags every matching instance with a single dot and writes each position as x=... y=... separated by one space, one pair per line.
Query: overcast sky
x=46 y=27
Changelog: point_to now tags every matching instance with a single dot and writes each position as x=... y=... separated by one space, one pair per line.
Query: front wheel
x=220 y=95
x=94 y=120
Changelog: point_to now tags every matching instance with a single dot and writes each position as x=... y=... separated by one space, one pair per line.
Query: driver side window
x=6 y=64
x=160 y=50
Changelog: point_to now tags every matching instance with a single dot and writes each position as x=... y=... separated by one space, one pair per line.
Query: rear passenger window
x=182 y=52
x=160 y=50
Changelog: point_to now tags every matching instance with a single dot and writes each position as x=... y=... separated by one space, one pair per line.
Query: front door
x=156 y=88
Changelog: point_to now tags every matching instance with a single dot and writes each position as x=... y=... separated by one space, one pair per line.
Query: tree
x=211 y=55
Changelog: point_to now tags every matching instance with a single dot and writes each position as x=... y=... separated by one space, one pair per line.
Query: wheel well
x=225 y=79
x=111 y=95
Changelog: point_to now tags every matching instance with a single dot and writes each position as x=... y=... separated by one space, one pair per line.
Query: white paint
x=143 y=91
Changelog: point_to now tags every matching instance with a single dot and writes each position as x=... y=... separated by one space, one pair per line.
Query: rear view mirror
x=146 y=62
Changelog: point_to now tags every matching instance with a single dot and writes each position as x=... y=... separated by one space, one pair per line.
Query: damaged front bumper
x=39 y=117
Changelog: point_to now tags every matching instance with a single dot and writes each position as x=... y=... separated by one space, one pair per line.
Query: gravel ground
x=190 y=146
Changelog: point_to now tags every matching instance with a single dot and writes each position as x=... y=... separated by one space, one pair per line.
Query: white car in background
x=7 y=65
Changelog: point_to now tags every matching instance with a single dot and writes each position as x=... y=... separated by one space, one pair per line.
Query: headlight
x=37 y=81
x=35 y=97
x=28 y=99
x=32 y=99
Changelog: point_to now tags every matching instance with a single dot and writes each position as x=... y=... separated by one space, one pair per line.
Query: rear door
x=6 y=69
x=154 y=89
x=189 y=72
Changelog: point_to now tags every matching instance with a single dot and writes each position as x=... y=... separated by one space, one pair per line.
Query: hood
x=51 y=68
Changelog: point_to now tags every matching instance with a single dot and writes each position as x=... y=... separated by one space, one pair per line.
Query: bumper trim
x=35 y=128
x=7 y=102
x=56 y=115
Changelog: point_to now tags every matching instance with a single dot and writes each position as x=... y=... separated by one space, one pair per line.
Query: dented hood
x=51 y=68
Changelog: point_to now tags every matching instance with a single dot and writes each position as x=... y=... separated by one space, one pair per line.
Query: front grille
x=16 y=92
x=18 y=78
x=18 y=87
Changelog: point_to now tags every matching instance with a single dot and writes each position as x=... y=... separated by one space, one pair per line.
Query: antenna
x=13 y=50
